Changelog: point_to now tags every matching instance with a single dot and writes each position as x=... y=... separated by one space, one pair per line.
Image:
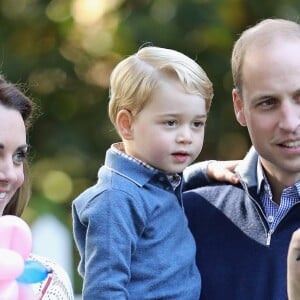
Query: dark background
x=61 y=53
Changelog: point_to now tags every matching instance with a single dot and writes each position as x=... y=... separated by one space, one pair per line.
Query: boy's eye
x=170 y=123
x=198 y=124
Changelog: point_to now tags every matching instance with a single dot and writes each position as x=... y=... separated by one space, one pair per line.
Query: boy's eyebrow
x=201 y=116
x=178 y=114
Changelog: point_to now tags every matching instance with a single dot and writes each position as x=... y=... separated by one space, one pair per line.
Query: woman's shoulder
x=57 y=286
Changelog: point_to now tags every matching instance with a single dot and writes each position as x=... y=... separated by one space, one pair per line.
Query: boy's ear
x=124 y=124
x=238 y=105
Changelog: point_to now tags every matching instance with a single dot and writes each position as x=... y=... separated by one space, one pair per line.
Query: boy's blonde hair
x=137 y=76
x=263 y=33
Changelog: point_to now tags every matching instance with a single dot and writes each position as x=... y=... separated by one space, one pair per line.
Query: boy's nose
x=184 y=136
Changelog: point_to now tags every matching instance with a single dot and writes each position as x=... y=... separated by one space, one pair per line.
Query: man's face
x=270 y=106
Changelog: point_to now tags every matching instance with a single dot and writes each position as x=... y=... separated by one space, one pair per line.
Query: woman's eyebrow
x=22 y=147
x=19 y=148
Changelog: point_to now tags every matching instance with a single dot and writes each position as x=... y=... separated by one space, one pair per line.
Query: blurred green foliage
x=62 y=52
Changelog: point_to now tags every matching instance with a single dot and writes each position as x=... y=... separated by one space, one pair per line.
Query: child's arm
x=293 y=267
x=203 y=173
x=106 y=232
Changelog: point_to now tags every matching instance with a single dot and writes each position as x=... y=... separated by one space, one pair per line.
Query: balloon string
x=48 y=282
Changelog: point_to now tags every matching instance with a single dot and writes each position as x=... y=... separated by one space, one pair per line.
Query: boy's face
x=168 y=133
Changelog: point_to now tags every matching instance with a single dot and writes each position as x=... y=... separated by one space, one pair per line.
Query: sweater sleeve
x=106 y=232
x=195 y=175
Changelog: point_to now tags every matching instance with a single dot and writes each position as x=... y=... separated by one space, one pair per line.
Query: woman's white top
x=57 y=286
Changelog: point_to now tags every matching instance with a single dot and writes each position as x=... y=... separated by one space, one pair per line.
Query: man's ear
x=238 y=105
x=124 y=122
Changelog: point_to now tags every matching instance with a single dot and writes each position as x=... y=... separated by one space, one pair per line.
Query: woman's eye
x=19 y=157
x=297 y=98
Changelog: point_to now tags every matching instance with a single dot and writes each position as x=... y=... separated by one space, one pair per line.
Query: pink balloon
x=11 y=265
x=26 y=292
x=9 y=290
x=15 y=235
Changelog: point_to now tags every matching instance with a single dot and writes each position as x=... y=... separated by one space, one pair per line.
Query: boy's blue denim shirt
x=133 y=236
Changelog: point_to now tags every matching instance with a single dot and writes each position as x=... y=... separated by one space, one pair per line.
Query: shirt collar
x=260 y=176
x=118 y=148
x=262 y=181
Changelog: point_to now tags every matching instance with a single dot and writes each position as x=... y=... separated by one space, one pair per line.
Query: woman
x=16 y=111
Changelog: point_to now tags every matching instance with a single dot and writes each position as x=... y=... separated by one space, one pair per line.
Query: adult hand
x=223 y=170
x=293 y=265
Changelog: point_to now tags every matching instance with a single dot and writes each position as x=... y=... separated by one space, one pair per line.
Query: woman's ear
x=124 y=122
x=238 y=105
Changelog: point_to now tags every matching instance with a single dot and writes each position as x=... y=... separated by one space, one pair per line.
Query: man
x=243 y=231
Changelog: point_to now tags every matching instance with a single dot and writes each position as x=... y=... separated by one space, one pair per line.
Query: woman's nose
x=7 y=170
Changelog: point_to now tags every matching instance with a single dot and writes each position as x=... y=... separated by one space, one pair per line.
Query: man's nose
x=289 y=116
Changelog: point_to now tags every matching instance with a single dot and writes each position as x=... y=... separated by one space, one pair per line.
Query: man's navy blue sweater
x=238 y=257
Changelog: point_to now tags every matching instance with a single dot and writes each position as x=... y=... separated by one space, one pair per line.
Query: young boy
x=130 y=228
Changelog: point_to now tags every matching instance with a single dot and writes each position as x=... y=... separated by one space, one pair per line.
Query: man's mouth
x=291 y=144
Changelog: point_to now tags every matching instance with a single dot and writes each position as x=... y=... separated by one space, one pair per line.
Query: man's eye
x=267 y=102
